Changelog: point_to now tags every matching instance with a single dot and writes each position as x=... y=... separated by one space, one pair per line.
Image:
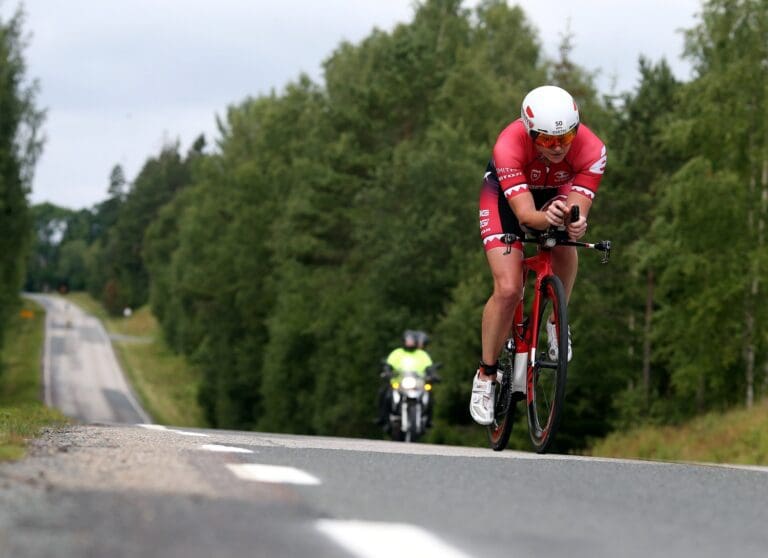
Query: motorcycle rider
x=411 y=356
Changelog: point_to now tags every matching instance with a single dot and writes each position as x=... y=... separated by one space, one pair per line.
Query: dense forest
x=285 y=258
x=20 y=145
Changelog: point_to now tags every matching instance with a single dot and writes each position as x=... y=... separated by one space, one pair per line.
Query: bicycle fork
x=523 y=343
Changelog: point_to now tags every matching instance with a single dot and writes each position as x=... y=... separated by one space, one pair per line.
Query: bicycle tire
x=504 y=407
x=547 y=399
x=413 y=427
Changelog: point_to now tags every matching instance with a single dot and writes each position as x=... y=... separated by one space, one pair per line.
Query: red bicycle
x=528 y=372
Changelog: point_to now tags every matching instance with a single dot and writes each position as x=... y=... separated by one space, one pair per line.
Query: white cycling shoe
x=481 y=404
x=552 y=339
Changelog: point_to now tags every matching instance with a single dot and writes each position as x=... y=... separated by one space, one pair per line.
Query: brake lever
x=509 y=239
x=605 y=247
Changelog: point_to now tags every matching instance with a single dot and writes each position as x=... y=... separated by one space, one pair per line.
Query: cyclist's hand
x=577 y=229
x=555 y=213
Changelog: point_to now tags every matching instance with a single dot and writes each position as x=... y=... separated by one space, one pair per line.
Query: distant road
x=82 y=377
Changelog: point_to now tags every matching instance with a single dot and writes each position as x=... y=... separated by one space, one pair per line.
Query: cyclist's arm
x=527 y=214
x=579 y=228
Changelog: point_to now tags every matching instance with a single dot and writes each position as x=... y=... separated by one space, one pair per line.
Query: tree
x=20 y=145
x=729 y=49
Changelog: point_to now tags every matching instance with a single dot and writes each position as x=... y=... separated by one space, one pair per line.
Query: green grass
x=22 y=414
x=736 y=436
x=164 y=382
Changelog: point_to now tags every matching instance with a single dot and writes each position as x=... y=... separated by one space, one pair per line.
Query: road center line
x=272 y=473
x=182 y=432
x=224 y=449
x=368 y=539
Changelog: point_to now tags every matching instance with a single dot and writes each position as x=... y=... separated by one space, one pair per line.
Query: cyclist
x=543 y=163
x=411 y=356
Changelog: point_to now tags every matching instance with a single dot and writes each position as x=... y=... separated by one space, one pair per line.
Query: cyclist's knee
x=508 y=292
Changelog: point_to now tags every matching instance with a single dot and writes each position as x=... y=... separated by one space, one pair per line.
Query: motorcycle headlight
x=409 y=382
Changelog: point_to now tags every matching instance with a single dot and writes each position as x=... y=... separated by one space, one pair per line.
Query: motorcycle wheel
x=413 y=424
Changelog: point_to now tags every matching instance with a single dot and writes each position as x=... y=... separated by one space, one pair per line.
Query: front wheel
x=414 y=422
x=546 y=391
x=504 y=408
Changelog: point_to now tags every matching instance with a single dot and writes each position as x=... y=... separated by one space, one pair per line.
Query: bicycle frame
x=525 y=329
x=522 y=379
x=526 y=332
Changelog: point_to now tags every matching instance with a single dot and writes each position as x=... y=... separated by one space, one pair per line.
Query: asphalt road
x=82 y=377
x=127 y=490
x=120 y=491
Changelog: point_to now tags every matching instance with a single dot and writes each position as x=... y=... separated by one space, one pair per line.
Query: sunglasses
x=548 y=141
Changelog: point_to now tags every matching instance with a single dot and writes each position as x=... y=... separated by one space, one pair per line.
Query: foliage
x=20 y=145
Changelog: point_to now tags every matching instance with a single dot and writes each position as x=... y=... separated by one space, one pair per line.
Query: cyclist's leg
x=500 y=308
x=497 y=218
x=565 y=264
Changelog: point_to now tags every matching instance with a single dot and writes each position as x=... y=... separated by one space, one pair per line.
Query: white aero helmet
x=549 y=110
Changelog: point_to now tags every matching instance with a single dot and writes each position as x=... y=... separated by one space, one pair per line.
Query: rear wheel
x=504 y=409
x=547 y=397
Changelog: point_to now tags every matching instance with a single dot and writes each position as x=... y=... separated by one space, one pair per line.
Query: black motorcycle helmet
x=410 y=340
x=422 y=339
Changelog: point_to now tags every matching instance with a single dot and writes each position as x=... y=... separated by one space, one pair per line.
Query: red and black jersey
x=517 y=168
x=520 y=167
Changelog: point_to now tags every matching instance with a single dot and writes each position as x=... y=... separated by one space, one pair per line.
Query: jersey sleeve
x=509 y=156
x=590 y=166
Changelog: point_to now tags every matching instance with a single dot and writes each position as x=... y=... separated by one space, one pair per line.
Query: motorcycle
x=410 y=402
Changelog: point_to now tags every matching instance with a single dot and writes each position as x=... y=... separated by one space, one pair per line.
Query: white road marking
x=367 y=539
x=272 y=473
x=182 y=432
x=759 y=468
x=224 y=449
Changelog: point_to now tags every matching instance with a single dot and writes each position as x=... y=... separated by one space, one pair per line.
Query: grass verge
x=22 y=414
x=736 y=436
x=164 y=381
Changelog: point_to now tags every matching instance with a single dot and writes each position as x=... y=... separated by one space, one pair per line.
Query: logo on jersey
x=505 y=173
x=562 y=176
x=485 y=212
x=598 y=167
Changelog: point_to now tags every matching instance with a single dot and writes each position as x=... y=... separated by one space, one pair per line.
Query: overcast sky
x=120 y=78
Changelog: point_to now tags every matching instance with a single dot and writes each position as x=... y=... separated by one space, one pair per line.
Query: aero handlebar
x=558 y=237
